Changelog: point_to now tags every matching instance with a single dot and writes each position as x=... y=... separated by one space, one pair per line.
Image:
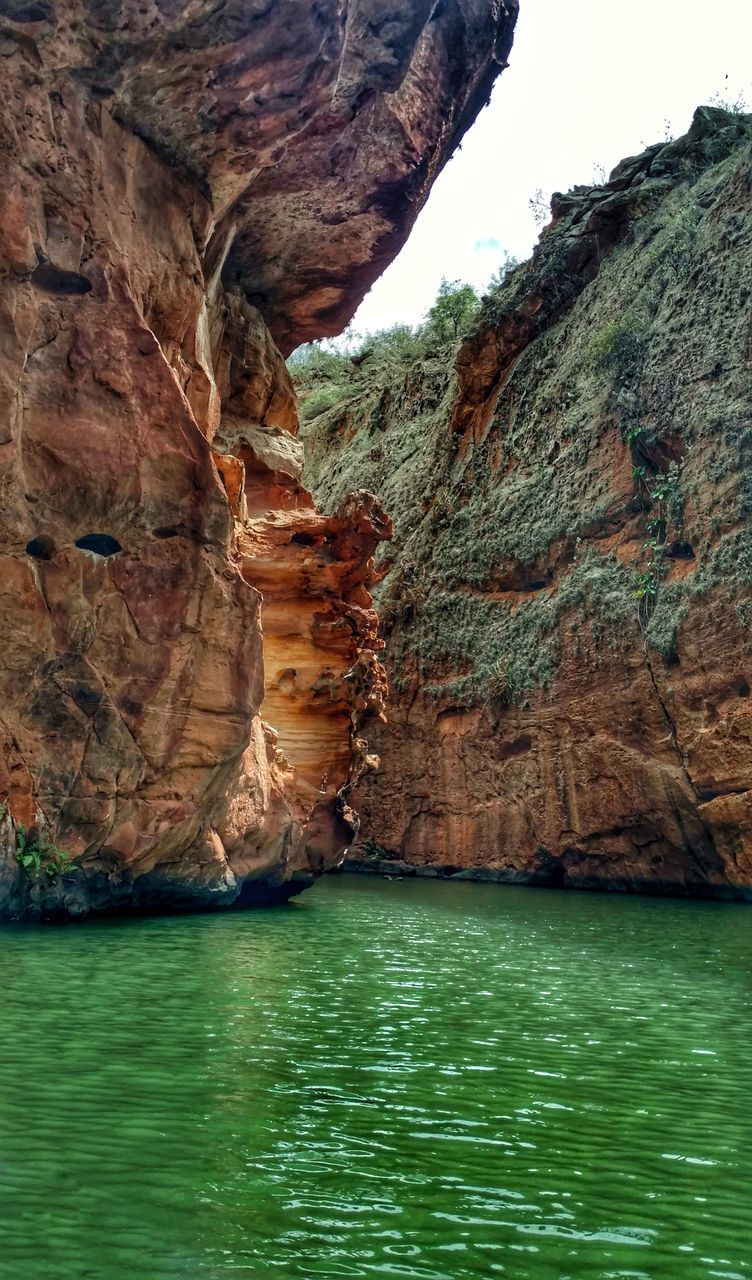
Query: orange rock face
x=567 y=612
x=187 y=650
x=623 y=783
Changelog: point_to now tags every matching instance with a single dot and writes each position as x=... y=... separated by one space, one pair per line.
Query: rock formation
x=568 y=600
x=190 y=189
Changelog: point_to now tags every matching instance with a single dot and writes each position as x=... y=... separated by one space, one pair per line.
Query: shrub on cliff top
x=331 y=374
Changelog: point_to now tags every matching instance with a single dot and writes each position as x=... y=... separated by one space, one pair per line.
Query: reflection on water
x=400 y=1080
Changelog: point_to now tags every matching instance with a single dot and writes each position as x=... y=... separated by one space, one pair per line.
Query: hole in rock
x=680 y=551
x=101 y=544
x=743 y=689
x=165 y=533
x=305 y=539
x=41 y=548
x=555 y=878
x=516 y=748
x=56 y=280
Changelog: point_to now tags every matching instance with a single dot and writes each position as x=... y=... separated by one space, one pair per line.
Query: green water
x=402 y=1080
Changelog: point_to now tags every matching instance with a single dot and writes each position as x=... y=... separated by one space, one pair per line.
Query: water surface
x=405 y=1080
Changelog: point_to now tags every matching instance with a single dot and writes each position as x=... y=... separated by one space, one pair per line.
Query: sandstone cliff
x=187 y=648
x=568 y=600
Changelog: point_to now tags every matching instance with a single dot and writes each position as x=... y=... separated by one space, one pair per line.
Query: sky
x=589 y=82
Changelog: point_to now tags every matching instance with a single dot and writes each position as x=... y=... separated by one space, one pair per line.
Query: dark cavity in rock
x=100 y=543
x=56 y=280
x=42 y=548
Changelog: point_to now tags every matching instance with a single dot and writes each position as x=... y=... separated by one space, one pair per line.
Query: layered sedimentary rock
x=568 y=600
x=187 y=189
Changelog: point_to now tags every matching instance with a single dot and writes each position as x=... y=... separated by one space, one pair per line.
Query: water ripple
x=401 y=1080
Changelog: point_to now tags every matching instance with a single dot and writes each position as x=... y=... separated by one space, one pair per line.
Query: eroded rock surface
x=186 y=188
x=568 y=607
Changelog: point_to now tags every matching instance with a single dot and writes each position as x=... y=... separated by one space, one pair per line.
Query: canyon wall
x=567 y=602
x=188 y=652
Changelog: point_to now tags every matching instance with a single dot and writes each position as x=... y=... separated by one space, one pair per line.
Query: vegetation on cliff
x=567 y=600
x=358 y=373
x=511 y=523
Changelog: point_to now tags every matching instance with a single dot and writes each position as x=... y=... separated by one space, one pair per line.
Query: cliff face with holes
x=568 y=599
x=187 y=647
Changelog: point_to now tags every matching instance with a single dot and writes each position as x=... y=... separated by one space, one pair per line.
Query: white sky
x=589 y=82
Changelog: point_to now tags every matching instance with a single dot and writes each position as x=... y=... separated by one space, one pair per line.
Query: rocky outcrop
x=188 y=189
x=568 y=603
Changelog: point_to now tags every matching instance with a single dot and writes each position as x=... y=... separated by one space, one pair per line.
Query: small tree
x=539 y=205
x=453 y=311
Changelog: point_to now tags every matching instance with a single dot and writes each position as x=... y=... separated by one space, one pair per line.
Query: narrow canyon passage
x=437 y=623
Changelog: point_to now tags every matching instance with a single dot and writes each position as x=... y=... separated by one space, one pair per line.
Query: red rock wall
x=568 y=603
x=154 y=169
